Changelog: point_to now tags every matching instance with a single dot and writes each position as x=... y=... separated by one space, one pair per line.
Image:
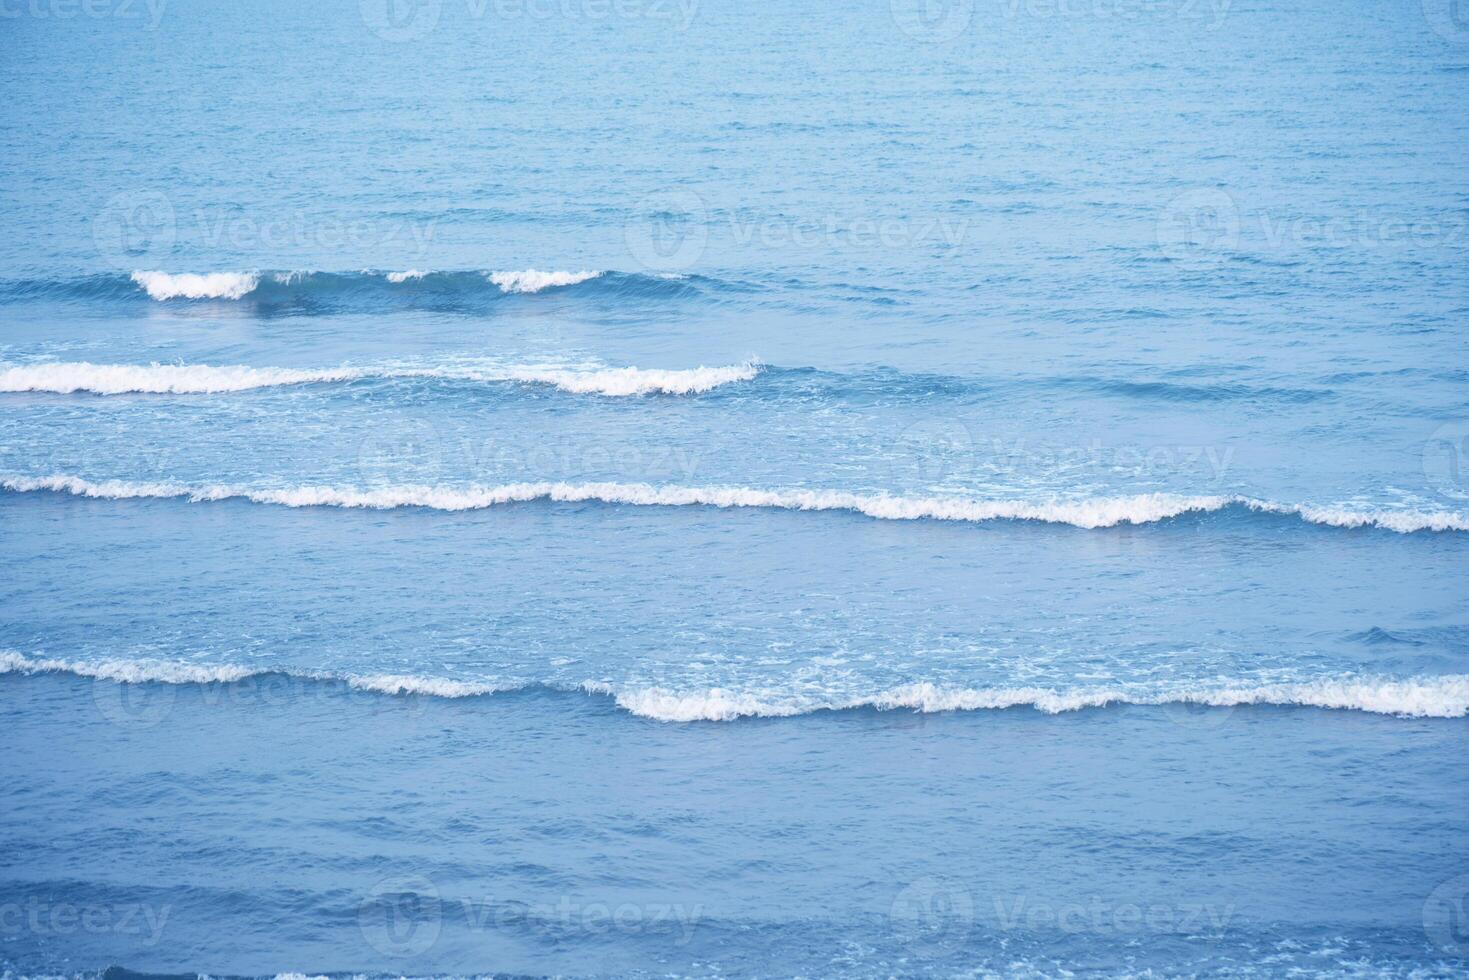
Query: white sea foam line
x=1422 y=697
x=534 y=280
x=175 y=672
x=113 y=379
x=189 y=285
x=637 y=381
x=1444 y=696
x=1091 y=513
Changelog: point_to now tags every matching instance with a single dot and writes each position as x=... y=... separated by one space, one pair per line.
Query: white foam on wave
x=126 y=671
x=402 y=277
x=1091 y=513
x=178 y=672
x=116 y=379
x=1445 y=696
x=439 y=687
x=189 y=285
x=622 y=382
x=533 y=280
x=1423 y=697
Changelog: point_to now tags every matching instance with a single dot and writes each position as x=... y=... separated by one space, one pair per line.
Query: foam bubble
x=1089 y=513
x=533 y=280
x=114 y=379
x=621 y=382
x=188 y=285
x=1445 y=696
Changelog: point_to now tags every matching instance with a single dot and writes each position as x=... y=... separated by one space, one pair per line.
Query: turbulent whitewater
x=1088 y=513
x=1444 y=696
x=114 y=379
x=164 y=286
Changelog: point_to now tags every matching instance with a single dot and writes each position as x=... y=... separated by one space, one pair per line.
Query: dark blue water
x=685 y=488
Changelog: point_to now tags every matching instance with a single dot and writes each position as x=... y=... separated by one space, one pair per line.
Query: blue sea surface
x=696 y=488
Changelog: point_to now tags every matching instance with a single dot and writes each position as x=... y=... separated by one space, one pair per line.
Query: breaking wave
x=236 y=285
x=187 y=285
x=1445 y=696
x=533 y=280
x=114 y=379
x=368 y=290
x=1090 y=513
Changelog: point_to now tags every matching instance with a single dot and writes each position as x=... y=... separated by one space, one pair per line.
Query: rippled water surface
x=683 y=487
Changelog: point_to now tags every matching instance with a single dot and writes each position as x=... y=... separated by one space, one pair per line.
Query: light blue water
x=697 y=488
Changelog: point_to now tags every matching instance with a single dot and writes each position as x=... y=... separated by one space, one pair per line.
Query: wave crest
x=1091 y=513
x=115 y=379
x=189 y=285
x=1444 y=696
x=533 y=280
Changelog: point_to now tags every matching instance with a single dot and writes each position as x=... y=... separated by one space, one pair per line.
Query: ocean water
x=697 y=488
